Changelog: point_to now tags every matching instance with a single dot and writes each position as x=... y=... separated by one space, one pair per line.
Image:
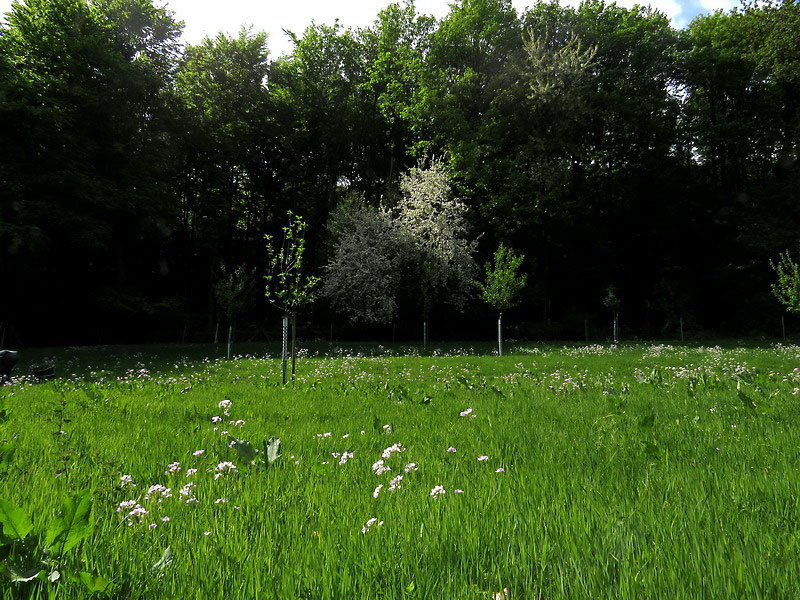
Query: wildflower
x=190 y=472
x=451 y=449
x=345 y=457
x=370 y=523
x=126 y=505
x=387 y=427
x=225 y=466
x=500 y=470
x=465 y=413
x=232 y=444
x=345 y=436
x=387 y=453
x=377 y=491
x=458 y=491
x=126 y=480
x=152 y=526
x=483 y=458
x=380 y=468
x=198 y=452
x=215 y=419
x=206 y=533
x=138 y=511
x=437 y=491
x=173 y=468
x=165 y=519
x=221 y=501
x=158 y=489
x=238 y=423
x=187 y=489
x=395 y=483
x=225 y=405
x=411 y=467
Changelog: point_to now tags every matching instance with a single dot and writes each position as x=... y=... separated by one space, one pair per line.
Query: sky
x=207 y=17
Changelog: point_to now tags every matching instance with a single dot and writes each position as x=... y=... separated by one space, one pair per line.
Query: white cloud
x=713 y=5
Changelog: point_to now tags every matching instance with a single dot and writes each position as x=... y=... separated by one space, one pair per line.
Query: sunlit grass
x=632 y=472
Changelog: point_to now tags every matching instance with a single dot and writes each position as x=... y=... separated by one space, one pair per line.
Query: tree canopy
x=599 y=141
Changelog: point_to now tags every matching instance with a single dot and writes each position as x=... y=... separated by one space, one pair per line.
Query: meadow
x=630 y=471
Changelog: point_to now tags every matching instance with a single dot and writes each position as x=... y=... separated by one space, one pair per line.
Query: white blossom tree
x=363 y=273
x=434 y=235
x=420 y=245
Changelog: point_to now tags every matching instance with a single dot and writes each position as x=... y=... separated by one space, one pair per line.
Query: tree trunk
x=425 y=334
x=500 y=334
x=216 y=334
x=230 y=339
x=616 y=327
x=294 y=337
x=284 y=346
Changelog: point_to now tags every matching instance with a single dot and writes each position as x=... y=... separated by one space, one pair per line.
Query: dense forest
x=607 y=146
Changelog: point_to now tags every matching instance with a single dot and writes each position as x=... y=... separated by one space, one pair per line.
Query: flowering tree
x=433 y=230
x=287 y=288
x=503 y=285
x=363 y=273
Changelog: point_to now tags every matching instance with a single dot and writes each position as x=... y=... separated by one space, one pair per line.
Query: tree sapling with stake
x=287 y=288
x=503 y=285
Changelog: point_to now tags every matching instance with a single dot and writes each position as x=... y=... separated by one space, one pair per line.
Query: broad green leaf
x=73 y=525
x=16 y=522
x=273 y=450
x=20 y=576
x=166 y=559
x=95 y=583
x=245 y=449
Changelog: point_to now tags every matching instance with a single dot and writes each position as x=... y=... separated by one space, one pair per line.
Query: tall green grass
x=631 y=472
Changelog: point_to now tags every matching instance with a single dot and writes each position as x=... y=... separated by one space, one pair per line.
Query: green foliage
x=233 y=289
x=15 y=521
x=95 y=584
x=25 y=561
x=611 y=300
x=73 y=524
x=787 y=289
x=503 y=284
x=287 y=286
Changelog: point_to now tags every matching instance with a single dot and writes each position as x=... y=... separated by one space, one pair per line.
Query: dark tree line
x=605 y=145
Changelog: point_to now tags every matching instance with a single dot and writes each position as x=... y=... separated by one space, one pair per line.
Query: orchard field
x=631 y=471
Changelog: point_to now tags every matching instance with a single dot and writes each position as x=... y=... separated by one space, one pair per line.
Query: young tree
x=787 y=289
x=611 y=302
x=287 y=287
x=363 y=273
x=503 y=285
x=433 y=227
x=231 y=293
